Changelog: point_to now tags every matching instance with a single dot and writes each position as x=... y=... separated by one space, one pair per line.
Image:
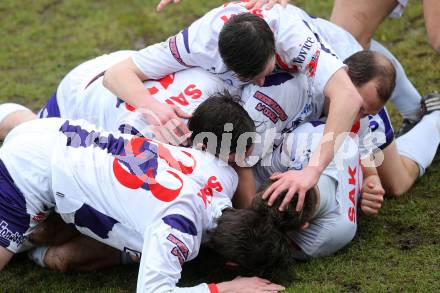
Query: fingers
x=180 y=113
x=276 y=176
x=254 y=4
x=369 y=211
x=287 y=199
x=301 y=196
x=272 y=192
x=163 y=3
x=372 y=197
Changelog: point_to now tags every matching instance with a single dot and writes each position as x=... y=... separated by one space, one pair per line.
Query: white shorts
x=25 y=181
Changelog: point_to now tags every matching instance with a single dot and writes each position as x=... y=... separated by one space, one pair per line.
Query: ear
x=304 y=226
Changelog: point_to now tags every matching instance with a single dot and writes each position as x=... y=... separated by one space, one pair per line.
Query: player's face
x=260 y=78
x=371 y=104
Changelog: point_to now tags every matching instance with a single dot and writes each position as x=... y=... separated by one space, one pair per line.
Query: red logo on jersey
x=165 y=82
x=207 y=191
x=352 y=194
x=313 y=64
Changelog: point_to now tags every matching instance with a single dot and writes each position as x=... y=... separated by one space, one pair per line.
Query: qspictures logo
x=7 y=234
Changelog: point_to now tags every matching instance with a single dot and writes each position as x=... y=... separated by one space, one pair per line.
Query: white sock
x=37 y=255
x=8 y=108
x=420 y=143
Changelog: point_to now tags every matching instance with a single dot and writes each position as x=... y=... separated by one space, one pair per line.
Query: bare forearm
x=125 y=81
x=343 y=111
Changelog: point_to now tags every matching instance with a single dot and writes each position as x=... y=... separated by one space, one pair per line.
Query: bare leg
x=361 y=18
x=5 y=257
x=14 y=119
x=53 y=231
x=397 y=173
x=82 y=253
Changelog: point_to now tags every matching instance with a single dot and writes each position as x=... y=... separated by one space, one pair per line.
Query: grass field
x=42 y=40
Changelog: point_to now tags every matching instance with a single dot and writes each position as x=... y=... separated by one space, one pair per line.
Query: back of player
x=82 y=95
x=114 y=188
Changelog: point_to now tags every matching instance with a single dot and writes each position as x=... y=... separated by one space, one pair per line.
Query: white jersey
x=82 y=95
x=277 y=108
x=122 y=190
x=298 y=46
x=334 y=224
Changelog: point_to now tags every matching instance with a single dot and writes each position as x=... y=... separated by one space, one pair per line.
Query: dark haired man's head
x=256 y=238
x=221 y=122
x=247 y=47
x=374 y=76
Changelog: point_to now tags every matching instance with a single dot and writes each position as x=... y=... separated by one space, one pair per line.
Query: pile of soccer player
x=260 y=132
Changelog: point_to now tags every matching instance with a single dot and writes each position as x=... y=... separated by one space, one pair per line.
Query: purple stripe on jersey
x=78 y=137
x=128 y=129
x=316 y=123
x=181 y=223
x=99 y=223
x=186 y=40
x=277 y=79
x=389 y=132
x=51 y=109
x=14 y=220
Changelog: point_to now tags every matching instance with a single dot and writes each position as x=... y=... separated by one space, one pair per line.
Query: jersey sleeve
x=195 y=46
x=164 y=251
x=301 y=49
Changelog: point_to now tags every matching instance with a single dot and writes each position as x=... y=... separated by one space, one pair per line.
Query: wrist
x=315 y=171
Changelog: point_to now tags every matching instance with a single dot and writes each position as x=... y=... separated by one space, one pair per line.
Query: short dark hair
x=212 y=115
x=255 y=238
x=246 y=44
x=364 y=66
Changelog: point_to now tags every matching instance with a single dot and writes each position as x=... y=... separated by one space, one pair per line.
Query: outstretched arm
x=345 y=103
x=164 y=251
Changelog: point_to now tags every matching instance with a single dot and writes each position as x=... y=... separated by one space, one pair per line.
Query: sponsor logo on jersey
x=180 y=250
x=7 y=234
x=172 y=43
x=352 y=193
x=207 y=191
x=269 y=107
x=304 y=52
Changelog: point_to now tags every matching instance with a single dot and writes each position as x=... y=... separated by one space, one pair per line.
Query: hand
x=294 y=182
x=163 y=3
x=248 y=285
x=257 y=4
x=166 y=122
x=372 y=195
